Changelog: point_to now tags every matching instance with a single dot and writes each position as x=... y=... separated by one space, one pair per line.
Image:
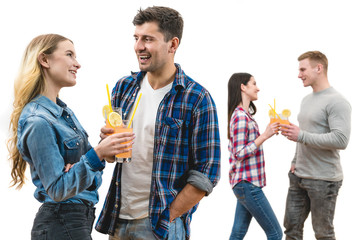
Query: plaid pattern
x=246 y=160
x=186 y=138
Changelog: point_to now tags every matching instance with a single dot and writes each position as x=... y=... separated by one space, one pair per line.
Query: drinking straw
x=274 y=105
x=132 y=117
x=107 y=89
x=275 y=112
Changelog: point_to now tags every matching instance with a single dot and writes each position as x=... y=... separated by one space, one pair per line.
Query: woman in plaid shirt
x=247 y=166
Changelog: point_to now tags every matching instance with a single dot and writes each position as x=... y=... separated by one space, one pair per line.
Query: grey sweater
x=325 y=122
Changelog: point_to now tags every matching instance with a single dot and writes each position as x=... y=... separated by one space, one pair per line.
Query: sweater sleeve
x=339 y=118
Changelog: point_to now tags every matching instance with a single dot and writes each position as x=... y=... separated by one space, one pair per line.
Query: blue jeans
x=315 y=196
x=140 y=229
x=252 y=202
x=63 y=221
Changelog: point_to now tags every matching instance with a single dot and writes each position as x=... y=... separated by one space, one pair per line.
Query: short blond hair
x=317 y=57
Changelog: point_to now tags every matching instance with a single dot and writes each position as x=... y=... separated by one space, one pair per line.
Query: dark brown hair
x=234 y=95
x=169 y=21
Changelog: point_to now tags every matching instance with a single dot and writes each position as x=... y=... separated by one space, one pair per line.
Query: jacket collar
x=55 y=109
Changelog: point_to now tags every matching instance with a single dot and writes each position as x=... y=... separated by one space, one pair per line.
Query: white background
x=263 y=38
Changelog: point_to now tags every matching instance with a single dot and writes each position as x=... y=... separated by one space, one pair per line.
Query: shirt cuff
x=253 y=147
x=94 y=160
x=301 y=137
x=200 y=181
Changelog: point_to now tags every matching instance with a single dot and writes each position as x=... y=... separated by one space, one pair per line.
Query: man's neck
x=160 y=79
x=321 y=84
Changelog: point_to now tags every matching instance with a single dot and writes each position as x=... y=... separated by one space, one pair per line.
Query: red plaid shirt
x=246 y=160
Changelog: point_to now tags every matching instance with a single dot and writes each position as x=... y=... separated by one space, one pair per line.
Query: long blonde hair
x=29 y=83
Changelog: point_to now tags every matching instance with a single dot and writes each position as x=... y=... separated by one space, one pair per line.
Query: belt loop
x=87 y=211
x=57 y=209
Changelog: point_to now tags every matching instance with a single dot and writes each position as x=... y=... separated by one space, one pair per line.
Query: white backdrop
x=261 y=37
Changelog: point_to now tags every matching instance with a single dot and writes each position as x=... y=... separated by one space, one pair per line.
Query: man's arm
x=339 y=123
x=185 y=200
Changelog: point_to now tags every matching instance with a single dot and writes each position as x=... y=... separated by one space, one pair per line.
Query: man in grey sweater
x=316 y=174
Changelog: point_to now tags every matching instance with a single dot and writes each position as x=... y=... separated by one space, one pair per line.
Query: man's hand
x=291 y=131
x=292 y=169
x=105 y=132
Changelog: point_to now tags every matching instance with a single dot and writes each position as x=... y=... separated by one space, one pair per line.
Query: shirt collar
x=247 y=114
x=56 y=109
x=180 y=80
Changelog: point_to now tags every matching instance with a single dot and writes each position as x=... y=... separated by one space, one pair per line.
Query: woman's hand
x=113 y=144
x=68 y=167
x=271 y=130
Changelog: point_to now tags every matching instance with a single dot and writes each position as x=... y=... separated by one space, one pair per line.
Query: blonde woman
x=47 y=136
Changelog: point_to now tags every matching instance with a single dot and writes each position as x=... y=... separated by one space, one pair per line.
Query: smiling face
x=60 y=67
x=153 y=53
x=250 y=90
x=308 y=72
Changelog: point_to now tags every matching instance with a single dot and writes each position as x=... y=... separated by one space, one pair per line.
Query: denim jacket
x=49 y=137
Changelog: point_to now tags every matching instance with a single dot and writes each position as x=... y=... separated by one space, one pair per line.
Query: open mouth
x=144 y=58
x=73 y=72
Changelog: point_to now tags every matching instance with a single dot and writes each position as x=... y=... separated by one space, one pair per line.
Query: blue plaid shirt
x=186 y=150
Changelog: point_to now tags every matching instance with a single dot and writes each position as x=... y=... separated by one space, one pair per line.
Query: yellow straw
x=108 y=93
x=132 y=117
x=274 y=105
x=275 y=112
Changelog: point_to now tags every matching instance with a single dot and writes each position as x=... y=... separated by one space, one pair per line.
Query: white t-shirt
x=136 y=175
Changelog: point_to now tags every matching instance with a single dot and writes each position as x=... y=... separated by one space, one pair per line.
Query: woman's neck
x=245 y=104
x=51 y=93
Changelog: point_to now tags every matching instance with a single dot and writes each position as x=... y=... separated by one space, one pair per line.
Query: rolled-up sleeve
x=205 y=173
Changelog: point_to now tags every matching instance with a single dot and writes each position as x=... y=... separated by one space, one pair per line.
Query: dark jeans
x=58 y=221
x=315 y=196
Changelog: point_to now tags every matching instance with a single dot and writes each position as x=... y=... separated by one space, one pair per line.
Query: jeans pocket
x=239 y=192
x=176 y=230
x=38 y=235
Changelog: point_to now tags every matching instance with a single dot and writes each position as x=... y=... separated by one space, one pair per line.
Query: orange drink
x=274 y=120
x=115 y=121
x=284 y=121
x=126 y=156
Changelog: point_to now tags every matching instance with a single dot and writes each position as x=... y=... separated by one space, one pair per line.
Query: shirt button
x=134 y=94
x=67 y=116
x=75 y=129
x=77 y=144
x=116 y=206
x=117 y=184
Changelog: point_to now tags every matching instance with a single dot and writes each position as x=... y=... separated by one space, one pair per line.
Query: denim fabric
x=315 y=196
x=49 y=137
x=63 y=221
x=141 y=230
x=251 y=202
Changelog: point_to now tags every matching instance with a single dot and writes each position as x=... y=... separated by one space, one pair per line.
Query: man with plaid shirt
x=176 y=154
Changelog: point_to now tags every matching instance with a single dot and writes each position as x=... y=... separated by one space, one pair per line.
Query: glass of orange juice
x=273 y=117
x=284 y=120
x=115 y=121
